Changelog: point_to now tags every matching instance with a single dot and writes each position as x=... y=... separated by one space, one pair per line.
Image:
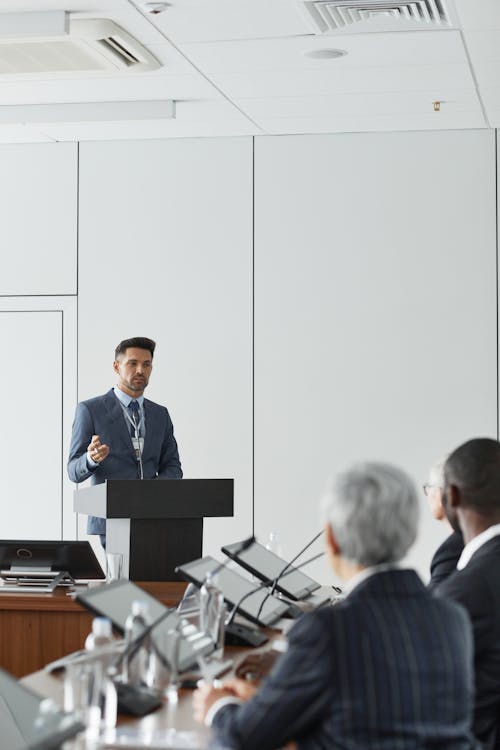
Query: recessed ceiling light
x=325 y=54
x=154 y=8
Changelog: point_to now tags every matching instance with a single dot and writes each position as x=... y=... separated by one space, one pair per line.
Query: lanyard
x=136 y=425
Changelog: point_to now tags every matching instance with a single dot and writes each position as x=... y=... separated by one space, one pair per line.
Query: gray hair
x=436 y=473
x=373 y=511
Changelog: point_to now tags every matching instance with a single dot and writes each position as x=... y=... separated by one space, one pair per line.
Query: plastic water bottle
x=140 y=668
x=103 y=702
x=212 y=613
x=101 y=634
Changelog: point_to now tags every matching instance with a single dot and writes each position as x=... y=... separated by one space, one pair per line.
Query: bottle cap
x=139 y=607
x=101 y=626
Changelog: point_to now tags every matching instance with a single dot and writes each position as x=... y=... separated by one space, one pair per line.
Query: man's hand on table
x=206 y=695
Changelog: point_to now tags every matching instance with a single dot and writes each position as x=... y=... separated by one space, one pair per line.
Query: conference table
x=170 y=726
x=38 y=628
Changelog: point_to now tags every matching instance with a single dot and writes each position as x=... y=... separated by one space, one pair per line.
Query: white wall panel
x=38 y=226
x=165 y=252
x=375 y=313
x=35 y=496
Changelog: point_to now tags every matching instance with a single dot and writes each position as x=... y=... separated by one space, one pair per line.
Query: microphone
x=133 y=647
x=263 y=585
x=238 y=635
x=287 y=567
x=289 y=564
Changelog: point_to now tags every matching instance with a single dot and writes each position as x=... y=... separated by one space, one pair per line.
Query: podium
x=156 y=524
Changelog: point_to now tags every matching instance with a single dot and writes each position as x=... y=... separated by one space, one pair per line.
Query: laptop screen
x=114 y=601
x=267 y=566
x=259 y=607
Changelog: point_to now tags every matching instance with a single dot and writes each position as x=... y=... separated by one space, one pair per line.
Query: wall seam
x=77 y=333
x=253 y=335
x=496 y=282
x=62 y=424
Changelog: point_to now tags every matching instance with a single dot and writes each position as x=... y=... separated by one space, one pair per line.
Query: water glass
x=114 y=566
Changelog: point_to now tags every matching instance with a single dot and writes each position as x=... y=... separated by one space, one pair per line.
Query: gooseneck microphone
x=133 y=647
x=268 y=582
x=289 y=564
x=287 y=567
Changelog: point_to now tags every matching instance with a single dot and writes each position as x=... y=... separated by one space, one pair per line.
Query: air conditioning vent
x=340 y=15
x=89 y=45
x=115 y=47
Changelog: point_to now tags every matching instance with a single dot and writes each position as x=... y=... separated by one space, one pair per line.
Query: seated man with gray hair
x=388 y=667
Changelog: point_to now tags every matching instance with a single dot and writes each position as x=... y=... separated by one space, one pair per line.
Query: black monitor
x=114 y=601
x=26 y=724
x=22 y=557
x=267 y=566
x=234 y=587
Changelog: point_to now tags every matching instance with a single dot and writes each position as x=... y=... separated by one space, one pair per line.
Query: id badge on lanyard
x=138 y=443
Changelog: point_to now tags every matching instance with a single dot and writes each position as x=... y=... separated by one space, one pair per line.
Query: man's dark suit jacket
x=103 y=416
x=445 y=559
x=477 y=588
x=389 y=668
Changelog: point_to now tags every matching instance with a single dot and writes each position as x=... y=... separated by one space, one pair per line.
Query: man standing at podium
x=122 y=435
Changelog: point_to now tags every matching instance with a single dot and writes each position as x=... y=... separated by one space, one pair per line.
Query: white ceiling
x=238 y=67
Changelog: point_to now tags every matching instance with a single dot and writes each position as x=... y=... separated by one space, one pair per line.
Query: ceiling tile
x=478 y=14
x=105 y=89
x=22 y=134
x=280 y=126
x=356 y=80
x=148 y=130
x=483 y=45
x=212 y=20
x=408 y=48
x=487 y=73
x=349 y=105
x=491 y=98
x=494 y=117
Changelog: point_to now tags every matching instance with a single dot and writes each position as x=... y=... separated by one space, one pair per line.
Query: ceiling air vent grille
x=84 y=45
x=115 y=47
x=338 y=15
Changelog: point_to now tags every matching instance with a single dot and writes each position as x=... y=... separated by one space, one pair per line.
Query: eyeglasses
x=428 y=487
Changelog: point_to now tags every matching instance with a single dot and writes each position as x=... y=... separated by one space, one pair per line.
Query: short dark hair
x=474 y=468
x=138 y=342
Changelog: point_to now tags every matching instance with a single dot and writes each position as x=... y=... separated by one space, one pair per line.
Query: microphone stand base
x=136 y=700
x=242 y=635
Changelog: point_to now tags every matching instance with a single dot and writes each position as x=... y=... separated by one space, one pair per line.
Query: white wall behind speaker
x=166 y=252
x=38 y=227
x=38 y=380
x=375 y=313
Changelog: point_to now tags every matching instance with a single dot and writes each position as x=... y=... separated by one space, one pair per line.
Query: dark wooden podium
x=156 y=524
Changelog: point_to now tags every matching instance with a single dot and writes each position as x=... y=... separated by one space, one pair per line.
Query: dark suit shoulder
x=444 y=561
x=153 y=405
x=482 y=573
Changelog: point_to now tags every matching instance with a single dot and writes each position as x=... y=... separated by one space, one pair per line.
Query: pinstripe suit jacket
x=389 y=668
x=103 y=416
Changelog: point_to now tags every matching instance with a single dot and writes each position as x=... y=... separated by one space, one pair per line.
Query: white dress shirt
x=474 y=544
